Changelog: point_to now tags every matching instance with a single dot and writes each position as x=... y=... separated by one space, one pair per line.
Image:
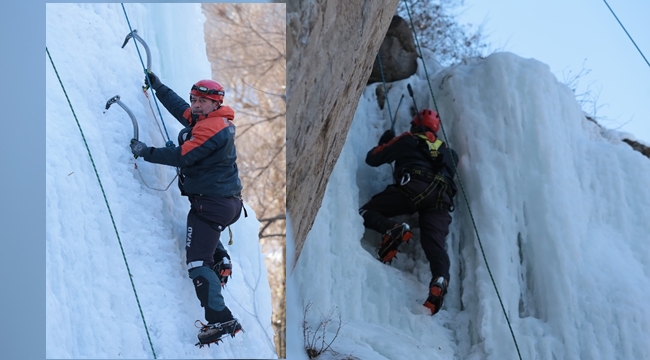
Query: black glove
x=387 y=136
x=223 y=269
x=138 y=148
x=155 y=82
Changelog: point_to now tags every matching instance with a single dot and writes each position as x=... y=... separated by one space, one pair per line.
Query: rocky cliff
x=331 y=48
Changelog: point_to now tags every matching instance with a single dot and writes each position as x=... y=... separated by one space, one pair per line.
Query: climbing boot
x=391 y=240
x=437 y=291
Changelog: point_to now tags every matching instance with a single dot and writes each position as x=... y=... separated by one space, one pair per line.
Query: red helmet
x=427 y=118
x=208 y=89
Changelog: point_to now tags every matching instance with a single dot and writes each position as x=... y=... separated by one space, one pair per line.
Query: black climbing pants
x=208 y=216
x=431 y=201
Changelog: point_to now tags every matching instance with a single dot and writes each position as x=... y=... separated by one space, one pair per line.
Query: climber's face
x=202 y=106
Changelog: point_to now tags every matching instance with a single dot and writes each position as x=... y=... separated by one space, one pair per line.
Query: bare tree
x=436 y=24
x=246 y=45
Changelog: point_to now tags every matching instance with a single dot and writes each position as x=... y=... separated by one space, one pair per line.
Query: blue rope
x=628 y=34
x=169 y=142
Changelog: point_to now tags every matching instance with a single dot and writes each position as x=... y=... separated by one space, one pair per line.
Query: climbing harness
x=435 y=181
x=216 y=226
x=503 y=309
x=431 y=151
x=110 y=213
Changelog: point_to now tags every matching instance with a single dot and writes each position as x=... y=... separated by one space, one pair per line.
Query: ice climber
x=206 y=156
x=424 y=183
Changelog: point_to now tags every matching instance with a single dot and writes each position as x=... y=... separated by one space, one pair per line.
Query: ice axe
x=116 y=100
x=135 y=35
x=396 y=110
x=408 y=86
x=410 y=89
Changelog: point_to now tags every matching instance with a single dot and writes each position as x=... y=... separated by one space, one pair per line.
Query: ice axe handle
x=137 y=37
x=116 y=100
x=408 y=86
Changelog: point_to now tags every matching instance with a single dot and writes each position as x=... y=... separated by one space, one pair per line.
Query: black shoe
x=391 y=240
x=437 y=291
x=213 y=333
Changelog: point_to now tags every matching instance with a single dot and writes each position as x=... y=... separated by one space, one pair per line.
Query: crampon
x=391 y=241
x=214 y=333
x=437 y=291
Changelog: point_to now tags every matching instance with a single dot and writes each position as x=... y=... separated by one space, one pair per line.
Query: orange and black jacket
x=412 y=154
x=206 y=153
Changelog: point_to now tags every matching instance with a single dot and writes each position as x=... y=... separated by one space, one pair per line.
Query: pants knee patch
x=208 y=288
x=202 y=287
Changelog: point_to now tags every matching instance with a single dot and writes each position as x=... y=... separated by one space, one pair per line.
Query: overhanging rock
x=331 y=46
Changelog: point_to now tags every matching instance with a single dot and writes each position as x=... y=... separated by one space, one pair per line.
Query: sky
x=92 y=310
x=570 y=36
x=560 y=207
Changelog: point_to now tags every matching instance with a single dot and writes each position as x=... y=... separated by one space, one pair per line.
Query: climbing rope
x=628 y=34
x=154 y=114
x=383 y=80
x=147 y=185
x=392 y=119
x=169 y=142
x=135 y=165
x=461 y=185
x=105 y=200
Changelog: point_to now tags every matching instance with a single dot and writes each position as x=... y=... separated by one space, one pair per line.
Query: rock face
x=331 y=46
x=638 y=147
x=397 y=52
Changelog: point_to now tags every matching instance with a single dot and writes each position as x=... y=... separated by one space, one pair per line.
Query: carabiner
x=405 y=179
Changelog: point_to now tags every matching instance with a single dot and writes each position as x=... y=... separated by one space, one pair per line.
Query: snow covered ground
x=561 y=207
x=91 y=307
